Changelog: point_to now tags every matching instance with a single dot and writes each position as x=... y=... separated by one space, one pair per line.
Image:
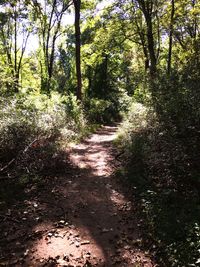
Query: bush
x=138 y=121
x=107 y=110
x=176 y=101
x=24 y=119
x=98 y=110
x=161 y=152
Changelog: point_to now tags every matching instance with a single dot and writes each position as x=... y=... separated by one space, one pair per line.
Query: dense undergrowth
x=36 y=129
x=34 y=133
x=159 y=139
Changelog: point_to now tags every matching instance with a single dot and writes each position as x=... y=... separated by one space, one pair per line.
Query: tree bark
x=151 y=45
x=147 y=10
x=15 y=51
x=170 y=38
x=77 y=6
x=144 y=47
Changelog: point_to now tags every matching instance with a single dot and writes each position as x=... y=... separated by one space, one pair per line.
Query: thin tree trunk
x=19 y=66
x=52 y=54
x=147 y=10
x=144 y=47
x=106 y=71
x=170 y=39
x=15 y=51
x=77 y=6
x=146 y=56
x=151 y=47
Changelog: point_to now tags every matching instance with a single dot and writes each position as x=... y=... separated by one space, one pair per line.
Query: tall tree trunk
x=89 y=76
x=106 y=72
x=147 y=10
x=146 y=56
x=151 y=46
x=15 y=51
x=170 y=38
x=144 y=47
x=77 y=6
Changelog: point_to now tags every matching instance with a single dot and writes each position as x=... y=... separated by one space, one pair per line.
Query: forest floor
x=84 y=217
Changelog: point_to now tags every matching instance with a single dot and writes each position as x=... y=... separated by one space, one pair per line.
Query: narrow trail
x=86 y=219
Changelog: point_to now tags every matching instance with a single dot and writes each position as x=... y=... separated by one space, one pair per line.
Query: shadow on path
x=83 y=218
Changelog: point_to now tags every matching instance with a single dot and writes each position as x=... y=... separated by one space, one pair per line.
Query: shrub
x=109 y=109
x=24 y=119
x=138 y=121
x=161 y=151
x=98 y=110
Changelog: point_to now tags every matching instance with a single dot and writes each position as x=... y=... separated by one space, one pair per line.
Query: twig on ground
x=23 y=152
x=9 y=163
x=27 y=148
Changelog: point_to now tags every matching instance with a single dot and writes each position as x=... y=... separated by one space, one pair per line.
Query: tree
x=50 y=16
x=77 y=7
x=170 y=37
x=147 y=8
x=14 y=25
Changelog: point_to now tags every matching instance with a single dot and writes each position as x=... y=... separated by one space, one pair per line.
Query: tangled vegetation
x=159 y=139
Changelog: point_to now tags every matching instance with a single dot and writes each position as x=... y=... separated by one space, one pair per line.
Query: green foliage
x=97 y=110
x=6 y=81
x=107 y=110
x=74 y=109
x=30 y=117
x=171 y=218
x=35 y=130
x=177 y=103
x=161 y=168
x=136 y=121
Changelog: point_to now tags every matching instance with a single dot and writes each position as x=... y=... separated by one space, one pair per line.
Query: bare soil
x=84 y=217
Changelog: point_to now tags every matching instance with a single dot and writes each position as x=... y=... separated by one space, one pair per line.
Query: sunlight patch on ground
x=63 y=243
x=94 y=154
x=104 y=138
x=117 y=198
x=97 y=161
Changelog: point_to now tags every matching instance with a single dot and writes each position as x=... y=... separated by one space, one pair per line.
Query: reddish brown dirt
x=83 y=218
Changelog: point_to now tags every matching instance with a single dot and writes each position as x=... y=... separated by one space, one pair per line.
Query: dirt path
x=85 y=219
